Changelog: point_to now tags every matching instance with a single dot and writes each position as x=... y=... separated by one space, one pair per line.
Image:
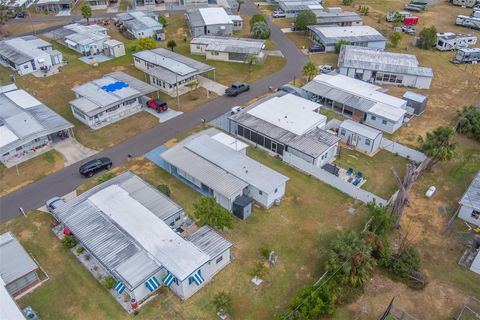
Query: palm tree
x=310 y=70
x=438 y=146
x=260 y=30
x=251 y=60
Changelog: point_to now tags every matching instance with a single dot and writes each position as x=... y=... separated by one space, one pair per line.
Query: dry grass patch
x=14 y=27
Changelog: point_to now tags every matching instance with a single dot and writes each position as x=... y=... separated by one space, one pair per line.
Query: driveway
x=73 y=151
x=212 y=86
x=165 y=115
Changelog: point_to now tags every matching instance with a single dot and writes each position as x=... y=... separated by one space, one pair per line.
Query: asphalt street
x=64 y=181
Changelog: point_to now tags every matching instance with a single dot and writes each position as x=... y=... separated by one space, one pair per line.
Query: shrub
x=257 y=18
x=80 y=250
x=347 y=2
x=171 y=44
x=395 y=38
x=105 y=177
x=109 y=283
x=265 y=252
x=163 y=21
x=469 y=122
x=69 y=242
x=208 y=211
x=259 y=270
x=313 y=302
x=381 y=220
x=403 y=263
x=427 y=38
x=304 y=19
x=223 y=303
x=163 y=188
x=147 y=43
x=339 y=45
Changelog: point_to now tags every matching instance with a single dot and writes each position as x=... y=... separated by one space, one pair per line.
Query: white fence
x=401 y=150
x=333 y=180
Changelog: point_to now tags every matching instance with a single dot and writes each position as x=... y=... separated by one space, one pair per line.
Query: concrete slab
x=286 y=30
x=69 y=196
x=73 y=151
x=274 y=53
x=64 y=13
x=211 y=85
x=164 y=116
x=98 y=58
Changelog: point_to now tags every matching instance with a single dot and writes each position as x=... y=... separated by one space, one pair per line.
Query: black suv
x=93 y=166
x=236 y=88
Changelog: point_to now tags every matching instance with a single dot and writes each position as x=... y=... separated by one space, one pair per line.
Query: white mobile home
x=288 y=126
x=470 y=203
x=212 y=22
x=27 y=126
x=328 y=36
x=378 y=66
x=464 y=3
x=54 y=5
x=467 y=55
x=140 y=24
x=361 y=101
x=97 y=4
x=109 y=99
x=28 y=54
x=359 y=136
x=228 y=49
x=336 y=16
x=129 y=227
x=216 y=169
x=170 y=72
x=14 y=4
x=447 y=41
x=292 y=8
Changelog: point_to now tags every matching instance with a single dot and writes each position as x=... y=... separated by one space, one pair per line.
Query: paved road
x=64 y=181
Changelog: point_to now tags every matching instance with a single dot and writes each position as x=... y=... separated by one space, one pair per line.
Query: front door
x=354 y=140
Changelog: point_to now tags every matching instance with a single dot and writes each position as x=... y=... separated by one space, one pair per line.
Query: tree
x=350 y=257
x=250 y=60
x=469 y=122
x=438 y=146
x=208 y=211
x=381 y=220
x=171 y=44
x=146 y=43
x=395 y=38
x=223 y=303
x=310 y=70
x=240 y=2
x=364 y=10
x=313 y=302
x=339 y=45
x=163 y=21
x=260 y=30
x=256 y=18
x=304 y=19
x=427 y=38
x=86 y=11
x=406 y=261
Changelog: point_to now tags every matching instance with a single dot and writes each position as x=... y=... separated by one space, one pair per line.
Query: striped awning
x=168 y=280
x=152 y=284
x=119 y=287
x=197 y=278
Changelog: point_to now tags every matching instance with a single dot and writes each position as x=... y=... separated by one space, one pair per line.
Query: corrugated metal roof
x=27 y=123
x=379 y=60
x=139 y=20
x=299 y=5
x=213 y=16
x=225 y=44
x=415 y=96
x=471 y=198
x=337 y=17
x=8 y=307
x=170 y=66
x=354 y=34
x=236 y=163
x=361 y=129
x=210 y=241
x=14 y=260
x=23 y=49
x=387 y=111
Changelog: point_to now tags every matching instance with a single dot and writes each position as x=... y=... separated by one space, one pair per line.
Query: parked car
x=54 y=203
x=93 y=166
x=279 y=14
x=408 y=29
x=157 y=105
x=236 y=88
x=316 y=48
x=235 y=110
x=30 y=314
x=325 y=68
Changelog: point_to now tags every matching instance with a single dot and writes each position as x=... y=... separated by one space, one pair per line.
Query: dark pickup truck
x=236 y=89
x=93 y=166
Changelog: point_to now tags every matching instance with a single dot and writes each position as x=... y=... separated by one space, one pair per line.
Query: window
x=260 y=192
x=476 y=214
x=219 y=259
x=384 y=121
x=19 y=148
x=342 y=132
x=177 y=218
x=25 y=67
x=275 y=190
x=214 y=53
x=367 y=142
x=373 y=118
x=113 y=108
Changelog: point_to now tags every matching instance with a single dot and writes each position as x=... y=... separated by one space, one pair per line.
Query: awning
x=197 y=278
x=152 y=284
x=70 y=42
x=119 y=287
x=168 y=280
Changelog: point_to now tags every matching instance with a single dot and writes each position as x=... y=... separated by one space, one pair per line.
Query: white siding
x=465 y=213
x=378 y=123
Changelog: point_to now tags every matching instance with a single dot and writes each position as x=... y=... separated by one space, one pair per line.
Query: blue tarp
x=112 y=87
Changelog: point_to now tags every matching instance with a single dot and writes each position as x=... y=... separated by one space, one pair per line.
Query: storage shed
x=360 y=136
x=242 y=207
x=416 y=103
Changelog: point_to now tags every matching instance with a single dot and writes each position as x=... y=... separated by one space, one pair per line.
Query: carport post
x=214 y=75
x=178 y=96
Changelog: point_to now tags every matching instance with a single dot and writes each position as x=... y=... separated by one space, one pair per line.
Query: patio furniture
x=359 y=174
x=357 y=181
x=350 y=171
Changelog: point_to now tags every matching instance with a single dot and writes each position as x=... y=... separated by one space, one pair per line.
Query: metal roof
x=414 y=96
x=23 y=119
x=93 y=98
x=23 y=49
x=15 y=261
x=210 y=241
x=471 y=197
x=451 y=36
x=213 y=16
x=81 y=34
x=139 y=20
x=326 y=17
x=387 y=111
x=121 y=223
x=354 y=34
x=379 y=60
x=236 y=163
x=361 y=129
x=299 y=5
x=170 y=66
x=225 y=44
x=8 y=307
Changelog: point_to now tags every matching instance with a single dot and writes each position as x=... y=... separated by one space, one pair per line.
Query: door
x=354 y=140
x=56 y=59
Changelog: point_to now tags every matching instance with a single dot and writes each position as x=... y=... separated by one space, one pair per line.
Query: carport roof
x=471 y=198
x=331 y=35
x=15 y=261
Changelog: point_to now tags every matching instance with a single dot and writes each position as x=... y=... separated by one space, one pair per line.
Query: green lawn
x=376 y=169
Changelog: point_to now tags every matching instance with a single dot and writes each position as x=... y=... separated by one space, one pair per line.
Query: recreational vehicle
x=447 y=41
x=469 y=22
x=467 y=55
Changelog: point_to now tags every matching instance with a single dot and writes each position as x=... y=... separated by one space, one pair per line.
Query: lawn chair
x=357 y=181
x=359 y=175
x=350 y=171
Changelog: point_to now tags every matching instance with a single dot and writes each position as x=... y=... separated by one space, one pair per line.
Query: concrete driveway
x=73 y=151
x=212 y=86
x=164 y=116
